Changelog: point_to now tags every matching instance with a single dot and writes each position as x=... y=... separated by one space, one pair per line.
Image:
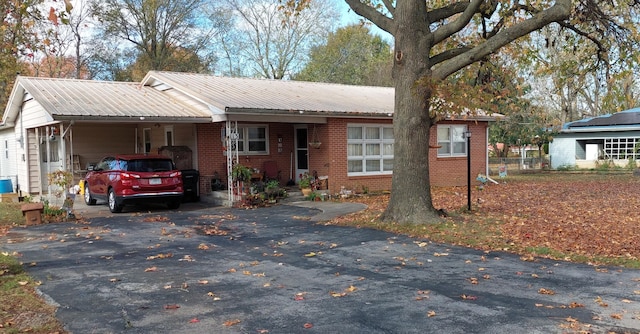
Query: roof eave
x=129 y=119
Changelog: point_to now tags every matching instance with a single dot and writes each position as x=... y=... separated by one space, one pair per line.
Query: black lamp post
x=467 y=135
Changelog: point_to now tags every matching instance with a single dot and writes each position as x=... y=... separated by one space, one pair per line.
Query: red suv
x=135 y=178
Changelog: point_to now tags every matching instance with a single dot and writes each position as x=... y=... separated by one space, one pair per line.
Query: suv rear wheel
x=88 y=199
x=113 y=204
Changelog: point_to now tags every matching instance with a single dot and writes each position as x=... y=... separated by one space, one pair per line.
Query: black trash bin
x=191 y=185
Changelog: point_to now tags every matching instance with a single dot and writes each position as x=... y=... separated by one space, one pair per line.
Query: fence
x=516 y=165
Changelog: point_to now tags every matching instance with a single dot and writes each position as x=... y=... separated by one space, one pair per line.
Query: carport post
x=467 y=134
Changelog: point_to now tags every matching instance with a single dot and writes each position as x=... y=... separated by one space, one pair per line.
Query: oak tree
x=436 y=39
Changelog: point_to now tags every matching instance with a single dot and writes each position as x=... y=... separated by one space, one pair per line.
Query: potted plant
x=306 y=184
x=240 y=172
x=272 y=189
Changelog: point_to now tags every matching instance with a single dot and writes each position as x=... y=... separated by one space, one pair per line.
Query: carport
x=60 y=124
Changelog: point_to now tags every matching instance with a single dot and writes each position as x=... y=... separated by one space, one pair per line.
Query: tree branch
x=448 y=54
x=449 y=29
x=383 y=22
x=558 y=12
x=447 y=11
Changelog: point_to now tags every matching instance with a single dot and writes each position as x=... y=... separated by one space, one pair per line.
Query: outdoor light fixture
x=467 y=134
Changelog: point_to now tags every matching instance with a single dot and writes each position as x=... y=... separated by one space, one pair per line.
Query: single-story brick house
x=52 y=124
x=613 y=137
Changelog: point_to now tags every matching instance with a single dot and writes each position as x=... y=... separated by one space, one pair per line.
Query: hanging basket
x=315 y=144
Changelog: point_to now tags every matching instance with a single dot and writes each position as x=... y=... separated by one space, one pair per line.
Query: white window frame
x=364 y=157
x=243 y=134
x=453 y=130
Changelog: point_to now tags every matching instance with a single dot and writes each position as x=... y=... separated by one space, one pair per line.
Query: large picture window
x=252 y=139
x=369 y=149
x=452 y=141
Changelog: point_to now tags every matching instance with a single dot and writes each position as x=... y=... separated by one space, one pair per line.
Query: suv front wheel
x=113 y=204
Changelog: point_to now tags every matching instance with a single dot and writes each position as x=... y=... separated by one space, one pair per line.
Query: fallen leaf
x=23 y=283
x=468 y=297
x=203 y=281
x=307 y=325
x=544 y=291
x=232 y=322
x=431 y=314
x=150 y=269
x=311 y=254
x=171 y=306
x=601 y=302
x=337 y=294
x=194 y=320
x=616 y=316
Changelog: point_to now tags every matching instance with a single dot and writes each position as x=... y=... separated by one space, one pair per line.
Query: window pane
x=387 y=149
x=354 y=166
x=257 y=133
x=373 y=133
x=373 y=165
x=354 y=133
x=387 y=165
x=443 y=133
x=387 y=133
x=373 y=149
x=459 y=148
x=354 y=150
x=445 y=149
x=257 y=146
x=458 y=133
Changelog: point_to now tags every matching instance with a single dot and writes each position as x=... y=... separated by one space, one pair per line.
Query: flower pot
x=306 y=191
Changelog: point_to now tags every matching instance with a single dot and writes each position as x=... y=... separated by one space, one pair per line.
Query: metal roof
x=236 y=95
x=90 y=99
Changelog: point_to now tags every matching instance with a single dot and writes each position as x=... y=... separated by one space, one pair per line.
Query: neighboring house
x=52 y=124
x=614 y=137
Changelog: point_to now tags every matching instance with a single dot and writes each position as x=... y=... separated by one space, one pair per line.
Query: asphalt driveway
x=275 y=270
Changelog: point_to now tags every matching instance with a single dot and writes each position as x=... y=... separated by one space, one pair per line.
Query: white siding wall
x=562 y=152
x=8 y=168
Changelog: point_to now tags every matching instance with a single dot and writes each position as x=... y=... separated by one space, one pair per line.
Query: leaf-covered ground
x=580 y=217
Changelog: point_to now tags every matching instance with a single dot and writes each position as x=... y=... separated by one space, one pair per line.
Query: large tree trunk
x=410 y=200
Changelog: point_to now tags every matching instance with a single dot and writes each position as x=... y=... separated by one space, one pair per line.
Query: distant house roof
x=620 y=121
x=247 y=95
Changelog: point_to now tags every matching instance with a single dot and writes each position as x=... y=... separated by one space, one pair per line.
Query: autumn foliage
x=585 y=217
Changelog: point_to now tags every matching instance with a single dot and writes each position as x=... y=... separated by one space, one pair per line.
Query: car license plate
x=155 y=181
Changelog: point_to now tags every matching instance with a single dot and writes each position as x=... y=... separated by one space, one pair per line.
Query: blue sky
x=349 y=17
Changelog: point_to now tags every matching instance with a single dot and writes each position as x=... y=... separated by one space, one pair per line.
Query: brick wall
x=453 y=171
x=331 y=158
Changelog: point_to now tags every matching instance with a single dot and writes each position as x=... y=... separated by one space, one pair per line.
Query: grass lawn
x=589 y=218
x=21 y=308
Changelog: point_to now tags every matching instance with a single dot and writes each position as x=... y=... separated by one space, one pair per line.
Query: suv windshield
x=148 y=165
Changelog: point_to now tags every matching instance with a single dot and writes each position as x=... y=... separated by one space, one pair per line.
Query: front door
x=51 y=157
x=302 y=151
